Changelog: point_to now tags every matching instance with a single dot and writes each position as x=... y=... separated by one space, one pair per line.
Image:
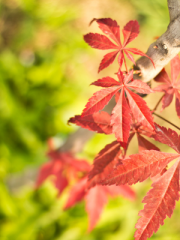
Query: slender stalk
x=125 y=65
x=154 y=109
x=166 y=120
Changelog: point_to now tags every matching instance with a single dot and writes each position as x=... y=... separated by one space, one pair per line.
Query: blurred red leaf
x=95 y=198
x=170 y=87
x=62 y=167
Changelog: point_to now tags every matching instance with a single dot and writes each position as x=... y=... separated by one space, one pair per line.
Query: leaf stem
x=154 y=109
x=125 y=65
x=157 y=115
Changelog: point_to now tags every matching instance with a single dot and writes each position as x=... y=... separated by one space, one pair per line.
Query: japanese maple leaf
x=148 y=163
x=95 y=198
x=99 y=122
x=111 y=156
x=63 y=167
x=160 y=202
x=105 y=161
x=138 y=130
x=170 y=87
x=112 y=30
x=121 y=114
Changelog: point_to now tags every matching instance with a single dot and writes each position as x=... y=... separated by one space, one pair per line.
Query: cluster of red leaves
x=64 y=170
x=132 y=106
x=129 y=104
x=170 y=87
x=130 y=116
x=110 y=168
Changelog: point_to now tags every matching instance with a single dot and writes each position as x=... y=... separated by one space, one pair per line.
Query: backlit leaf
x=98 y=122
x=160 y=202
x=138 y=167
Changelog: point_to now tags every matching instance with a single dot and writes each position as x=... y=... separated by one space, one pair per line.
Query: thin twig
x=166 y=120
x=154 y=109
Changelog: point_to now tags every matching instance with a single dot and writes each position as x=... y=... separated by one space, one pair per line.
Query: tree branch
x=164 y=49
x=174 y=9
x=76 y=141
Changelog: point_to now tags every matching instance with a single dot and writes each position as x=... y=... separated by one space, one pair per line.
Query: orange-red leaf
x=138 y=167
x=162 y=77
x=53 y=169
x=95 y=202
x=106 y=82
x=99 y=100
x=175 y=68
x=56 y=168
x=99 y=41
x=121 y=119
x=140 y=110
x=99 y=122
x=139 y=86
x=160 y=202
x=107 y=60
x=171 y=87
x=95 y=198
x=110 y=28
x=130 y=32
x=138 y=52
x=177 y=103
x=144 y=144
x=77 y=193
x=104 y=157
x=123 y=190
x=168 y=137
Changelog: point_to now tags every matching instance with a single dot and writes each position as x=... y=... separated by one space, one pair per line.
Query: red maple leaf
x=170 y=87
x=112 y=29
x=168 y=137
x=138 y=167
x=99 y=122
x=121 y=114
x=148 y=163
x=111 y=156
x=104 y=162
x=160 y=202
x=63 y=167
x=139 y=130
x=95 y=198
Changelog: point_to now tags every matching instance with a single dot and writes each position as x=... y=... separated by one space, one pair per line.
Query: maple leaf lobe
x=160 y=202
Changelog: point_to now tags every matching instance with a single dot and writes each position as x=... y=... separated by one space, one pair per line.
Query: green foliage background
x=45 y=72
